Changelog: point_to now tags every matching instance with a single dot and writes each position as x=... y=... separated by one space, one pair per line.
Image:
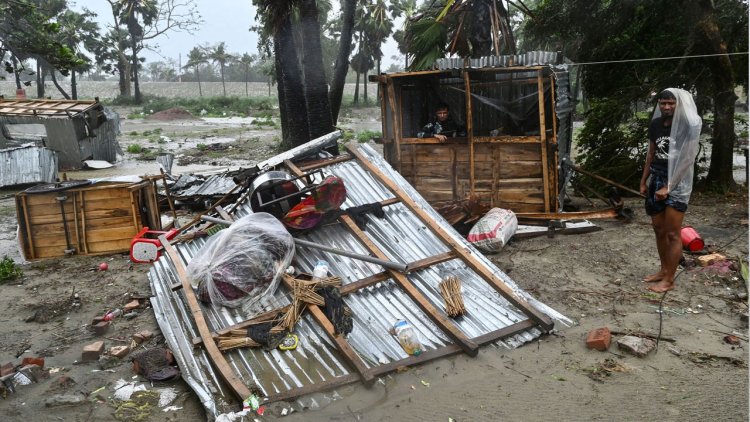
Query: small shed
x=77 y=130
x=517 y=113
x=77 y=217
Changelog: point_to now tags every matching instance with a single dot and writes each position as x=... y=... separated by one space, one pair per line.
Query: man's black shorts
x=653 y=207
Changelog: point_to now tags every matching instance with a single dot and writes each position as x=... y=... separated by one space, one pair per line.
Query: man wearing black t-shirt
x=666 y=209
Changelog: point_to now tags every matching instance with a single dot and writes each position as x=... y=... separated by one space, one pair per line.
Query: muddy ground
x=592 y=278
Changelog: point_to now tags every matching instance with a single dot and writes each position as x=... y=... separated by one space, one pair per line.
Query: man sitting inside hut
x=442 y=126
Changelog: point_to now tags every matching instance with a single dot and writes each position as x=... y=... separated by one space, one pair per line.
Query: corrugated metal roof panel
x=375 y=308
x=29 y=164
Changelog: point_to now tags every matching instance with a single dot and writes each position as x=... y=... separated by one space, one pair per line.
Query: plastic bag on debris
x=493 y=231
x=243 y=263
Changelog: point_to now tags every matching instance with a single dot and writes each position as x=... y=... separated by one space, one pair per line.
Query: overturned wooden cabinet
x=517 y=114
x=89 y=219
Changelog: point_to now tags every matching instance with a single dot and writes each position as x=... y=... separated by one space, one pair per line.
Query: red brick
x=599 y=339
x=101 y=327
x=92 y=351
x=142 y=336
x=119 y=351
x=33 y=361
x=134 y=304
x=7 y=369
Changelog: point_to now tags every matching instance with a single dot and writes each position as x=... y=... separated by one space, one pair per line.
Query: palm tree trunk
x=364 y=84
x=356 y=91
x=16 y=75
x=291 y=87
x=39 y=80
x=316 y=88
x=57 y=85
x=223 y=85
x=73 y=85
x=198 y=77
x=341 y=67
x=136 y=85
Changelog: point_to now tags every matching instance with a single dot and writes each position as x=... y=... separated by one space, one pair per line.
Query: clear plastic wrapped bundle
x=243 y=263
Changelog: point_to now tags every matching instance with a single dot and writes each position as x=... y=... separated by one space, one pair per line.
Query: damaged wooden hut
x=517 y=116
x=75 y=130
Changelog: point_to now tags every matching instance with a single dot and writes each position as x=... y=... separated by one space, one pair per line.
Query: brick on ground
x=92 y=351
x=599 y=339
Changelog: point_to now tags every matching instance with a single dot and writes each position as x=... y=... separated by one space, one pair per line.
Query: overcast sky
x=224 y=20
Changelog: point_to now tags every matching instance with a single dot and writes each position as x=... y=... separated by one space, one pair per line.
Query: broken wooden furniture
x=497 y=311
x=517 y=112
x=74 y=217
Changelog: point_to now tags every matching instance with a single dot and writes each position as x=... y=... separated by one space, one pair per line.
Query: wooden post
x=83 y=222
x=543 y=139
x=554 y=186
x=27 y=224
x=395 y=125
x=469 y=131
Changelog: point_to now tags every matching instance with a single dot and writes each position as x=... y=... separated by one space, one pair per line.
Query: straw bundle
x=450 y=289
x=235 y=339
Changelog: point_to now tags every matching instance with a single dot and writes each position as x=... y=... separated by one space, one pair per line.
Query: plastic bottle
x=109 y=316
x=407 y=337
x=321 y=270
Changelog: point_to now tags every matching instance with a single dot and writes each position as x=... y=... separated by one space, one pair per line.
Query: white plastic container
x=321 y=270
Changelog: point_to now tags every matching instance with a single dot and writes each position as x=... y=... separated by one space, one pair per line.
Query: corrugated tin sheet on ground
x=316 y=360
x=29 y=164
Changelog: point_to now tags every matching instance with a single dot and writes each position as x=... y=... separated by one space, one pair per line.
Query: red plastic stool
x=144 y=248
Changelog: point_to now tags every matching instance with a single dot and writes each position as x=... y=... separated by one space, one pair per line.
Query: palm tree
x=196 y=58
x=468 y=28
x=78 y=30
x=219 y=55
x=341 y=67
x=130 y=11
x=316 y=87
x=246 y=60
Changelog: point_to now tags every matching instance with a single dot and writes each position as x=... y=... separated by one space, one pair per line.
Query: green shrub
x=134 y=149
x=202 y=147
x=9 y=270
x=366 y=135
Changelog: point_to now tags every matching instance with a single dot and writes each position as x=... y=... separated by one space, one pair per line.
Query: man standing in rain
x=668 y=177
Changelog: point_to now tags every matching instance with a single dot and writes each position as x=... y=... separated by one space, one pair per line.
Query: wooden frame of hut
x=517 y=113
x=96 y=219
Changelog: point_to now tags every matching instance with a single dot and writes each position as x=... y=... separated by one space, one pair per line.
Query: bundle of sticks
x=303 y=292
x=450 y=289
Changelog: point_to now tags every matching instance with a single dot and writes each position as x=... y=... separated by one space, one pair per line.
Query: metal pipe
x=387 y=264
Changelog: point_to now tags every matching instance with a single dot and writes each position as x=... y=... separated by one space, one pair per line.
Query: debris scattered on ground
x=637 y=346
x=175 y=113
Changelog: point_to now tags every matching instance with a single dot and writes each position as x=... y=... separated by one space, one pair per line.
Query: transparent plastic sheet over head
x=242 y=264
x=683 y=145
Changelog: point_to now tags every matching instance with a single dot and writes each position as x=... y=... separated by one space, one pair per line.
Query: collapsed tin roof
x=411 y=232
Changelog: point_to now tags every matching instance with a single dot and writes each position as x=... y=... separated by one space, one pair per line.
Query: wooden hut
x=87 y=219
x=517 y=112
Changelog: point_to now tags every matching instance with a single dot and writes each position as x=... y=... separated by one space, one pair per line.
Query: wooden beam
x=314 y=165
x=215 y=355
x=395 y=124
x=543 y=134
x=469 y=134
x=461 y=251
x=555 y=188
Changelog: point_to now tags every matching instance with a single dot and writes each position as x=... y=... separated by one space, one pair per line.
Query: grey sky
x=224 y=20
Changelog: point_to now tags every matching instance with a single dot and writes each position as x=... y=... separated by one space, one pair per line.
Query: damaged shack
x=75 y=130
x=517 y=114
x=385 y=254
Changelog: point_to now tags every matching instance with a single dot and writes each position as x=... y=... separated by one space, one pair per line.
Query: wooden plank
x=469 y=130
x=75 y=221
x=507 y=139
x=83 y=224
x=25 y=208
x=348 y=353
x=543 y=133
x=554 y=186
x=467 y=256
x=215 y=355
x=111 y=246
x=316 y=164
x=396 y=127
x=437 y=316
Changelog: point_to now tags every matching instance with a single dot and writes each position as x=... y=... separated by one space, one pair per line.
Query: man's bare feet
x=653 y=278
x=662 y=286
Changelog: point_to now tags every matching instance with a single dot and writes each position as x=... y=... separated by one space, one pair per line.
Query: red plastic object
x=691 y=240
x=145 y=246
